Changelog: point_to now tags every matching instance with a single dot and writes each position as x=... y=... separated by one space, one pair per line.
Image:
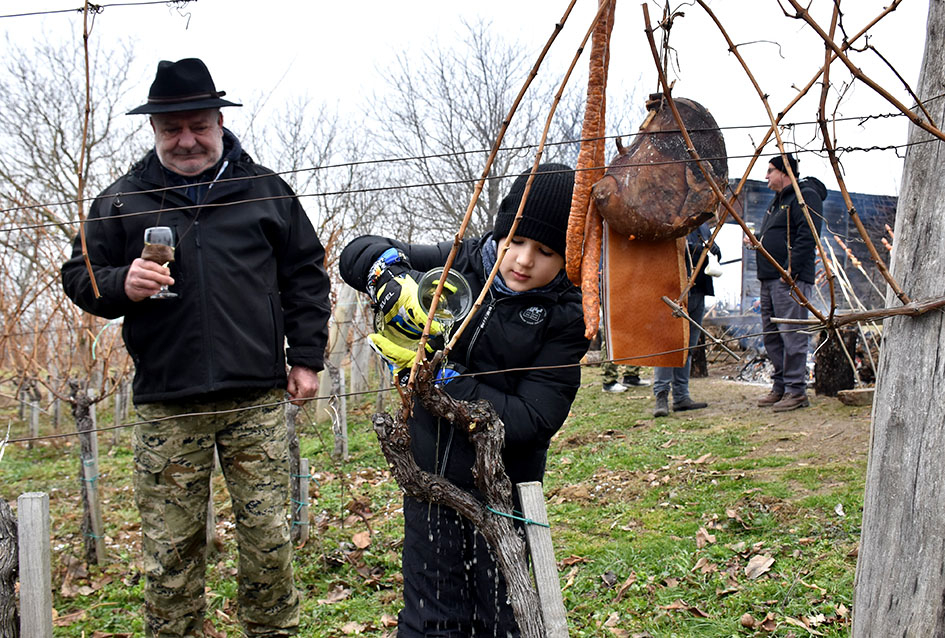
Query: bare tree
x=317 y=155
x=44 y=161
x=440 y=119
x=42 y=100
x=444 y=112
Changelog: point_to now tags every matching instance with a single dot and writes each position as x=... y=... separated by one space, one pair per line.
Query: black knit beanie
x=545 y=218
x=778 y=162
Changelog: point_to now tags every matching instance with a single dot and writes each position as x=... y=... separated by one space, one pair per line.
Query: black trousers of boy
x=452 y=585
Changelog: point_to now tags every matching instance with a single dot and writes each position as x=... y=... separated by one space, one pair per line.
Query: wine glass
x=159 y=248
x=455 y=299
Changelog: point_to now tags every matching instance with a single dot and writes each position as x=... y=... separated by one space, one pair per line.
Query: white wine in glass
x=159 y=248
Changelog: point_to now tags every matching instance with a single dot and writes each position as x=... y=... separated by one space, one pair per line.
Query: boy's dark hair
x=545 y=218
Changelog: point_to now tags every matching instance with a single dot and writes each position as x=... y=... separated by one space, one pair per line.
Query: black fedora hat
x=184 y=85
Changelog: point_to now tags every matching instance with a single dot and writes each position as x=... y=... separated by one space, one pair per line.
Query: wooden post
x=291 y=415
x=125 y=399
x=88 y=449
x=899 y=580
x=34 y=420
x=35 y=568
x=339 y=423
x=300 y=509
x=383 y=380
x=361 y=353
x=337 y=348
x=90 y=468
x=9 y=618
x=56 y=413
x=119 y=410
x=543 y=559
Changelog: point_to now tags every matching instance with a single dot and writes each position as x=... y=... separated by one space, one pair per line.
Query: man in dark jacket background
x=677 y=379
x=788 y=238
x=248 y=273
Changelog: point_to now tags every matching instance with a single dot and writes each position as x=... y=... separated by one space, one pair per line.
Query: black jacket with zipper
x=526 y=337
x=786 y=235
x=248 y=269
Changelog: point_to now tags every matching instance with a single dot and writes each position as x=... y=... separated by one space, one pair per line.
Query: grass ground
x=729 y=521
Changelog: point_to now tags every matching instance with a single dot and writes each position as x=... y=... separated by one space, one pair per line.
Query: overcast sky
x=336 y=53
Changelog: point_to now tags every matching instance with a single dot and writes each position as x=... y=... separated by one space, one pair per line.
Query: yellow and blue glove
x=393 y=291
x=400 y=359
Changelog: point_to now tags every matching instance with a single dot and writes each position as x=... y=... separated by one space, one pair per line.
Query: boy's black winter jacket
x=248 y=270
x=523 y=336
x=784 y=226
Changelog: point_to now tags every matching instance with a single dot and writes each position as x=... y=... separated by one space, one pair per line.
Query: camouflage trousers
x=173 y=462
x=611 y=372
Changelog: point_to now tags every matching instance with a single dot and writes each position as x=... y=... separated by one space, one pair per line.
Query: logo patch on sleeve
x=533 y=315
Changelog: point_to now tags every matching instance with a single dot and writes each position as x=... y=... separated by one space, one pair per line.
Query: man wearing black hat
x=247 y=275
x=788 y=238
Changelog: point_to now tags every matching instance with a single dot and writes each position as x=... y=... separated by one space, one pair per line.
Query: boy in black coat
x=530 y=328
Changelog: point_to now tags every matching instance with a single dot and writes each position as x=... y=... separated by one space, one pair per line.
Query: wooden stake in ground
x=34 y=563
x=899 y=580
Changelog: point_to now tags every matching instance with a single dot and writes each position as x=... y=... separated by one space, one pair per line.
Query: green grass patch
x=667 y=527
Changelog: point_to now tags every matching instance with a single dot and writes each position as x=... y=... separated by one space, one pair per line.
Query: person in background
x=210 y=363
x=788 y=238
x=677 y=379
x=529 y=333
x=614 y=382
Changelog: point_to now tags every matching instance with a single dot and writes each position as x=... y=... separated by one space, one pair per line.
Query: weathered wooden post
x=339 y=422
x=90 y=476
x=214 y=544
x=291 y=416
x=118 y=413
x=34 y=420
x=361 y=353
x=34 y=564
x=899 y=580
x=300 y=508
x=544 y=566
x=9 y=618
x=88 y=449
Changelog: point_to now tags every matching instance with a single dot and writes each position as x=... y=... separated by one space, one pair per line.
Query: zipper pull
x=197 y=233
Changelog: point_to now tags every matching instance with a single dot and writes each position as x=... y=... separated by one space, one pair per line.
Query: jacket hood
x=807 y=183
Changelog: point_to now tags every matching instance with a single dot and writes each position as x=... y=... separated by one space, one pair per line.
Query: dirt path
x=826 y=432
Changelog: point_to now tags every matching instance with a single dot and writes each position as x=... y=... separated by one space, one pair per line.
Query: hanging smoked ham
x=650 y=191
x=651 y=196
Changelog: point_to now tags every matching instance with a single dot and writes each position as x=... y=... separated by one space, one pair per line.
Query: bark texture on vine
x=479 y=421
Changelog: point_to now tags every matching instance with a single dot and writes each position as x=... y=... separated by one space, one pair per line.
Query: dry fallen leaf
x=798 y=623
x=569 y=579
x=632 y=578
x=703 y=565
x=337 y=594
x=747 y=620
x=703 y=538
x=388 y=621
x=362 y=540
x=758 y=565
x=572 y=560
x=681 y=605
x=353 y=628
x=210 y=631
x=68 y=619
